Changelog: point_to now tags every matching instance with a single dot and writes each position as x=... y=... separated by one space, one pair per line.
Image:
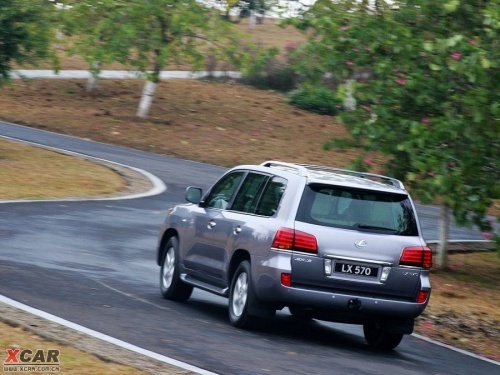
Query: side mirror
x=193 y=194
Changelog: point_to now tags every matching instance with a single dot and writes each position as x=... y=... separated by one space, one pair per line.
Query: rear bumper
x=343 y=304
x=340 y=306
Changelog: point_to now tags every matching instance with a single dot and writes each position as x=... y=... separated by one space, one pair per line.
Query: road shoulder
x=104 y=350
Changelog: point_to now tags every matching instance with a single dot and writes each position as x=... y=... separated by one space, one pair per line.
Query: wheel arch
x=256 y=308
x=238 y=256
x=169 y=233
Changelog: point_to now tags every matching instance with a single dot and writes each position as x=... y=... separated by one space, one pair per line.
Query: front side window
x=223 y=190
x=357 y=209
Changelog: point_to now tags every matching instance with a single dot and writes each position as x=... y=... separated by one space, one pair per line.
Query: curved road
x=93 y=263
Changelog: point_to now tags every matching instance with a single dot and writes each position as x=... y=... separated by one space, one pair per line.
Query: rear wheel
x=171 y=286
x=240 y=295
x=377 y=336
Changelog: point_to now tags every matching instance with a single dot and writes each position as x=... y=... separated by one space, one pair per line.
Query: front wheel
x=240 y=296
x=171 y=285
x=377 y=336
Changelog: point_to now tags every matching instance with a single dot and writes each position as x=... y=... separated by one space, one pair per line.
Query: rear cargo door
x=360 y=236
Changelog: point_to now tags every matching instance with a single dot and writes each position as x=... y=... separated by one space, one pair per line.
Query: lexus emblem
x=360 y=243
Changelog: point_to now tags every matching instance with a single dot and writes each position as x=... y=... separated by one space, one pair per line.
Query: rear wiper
x=366 y=226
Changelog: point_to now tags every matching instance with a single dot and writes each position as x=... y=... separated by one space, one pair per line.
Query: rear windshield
x=370 y=211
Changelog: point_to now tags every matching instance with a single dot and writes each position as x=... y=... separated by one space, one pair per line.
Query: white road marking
x=461 y=351
x=158 y=185
x=130 y=295
x=103 y=337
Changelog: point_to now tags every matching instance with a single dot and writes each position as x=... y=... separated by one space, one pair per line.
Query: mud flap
x=400 y=326
x=259 y=309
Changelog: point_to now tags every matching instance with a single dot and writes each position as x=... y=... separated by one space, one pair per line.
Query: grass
x=71 y=360
x=211 y=122
x=464 y=309
x=223 y=123
x=29 y=172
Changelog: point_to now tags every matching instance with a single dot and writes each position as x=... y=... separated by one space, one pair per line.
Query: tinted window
x=357 y=209
x=249 y=192
x=271 y=197
x=223 y=190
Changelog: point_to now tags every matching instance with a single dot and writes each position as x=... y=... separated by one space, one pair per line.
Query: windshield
x=343 y=207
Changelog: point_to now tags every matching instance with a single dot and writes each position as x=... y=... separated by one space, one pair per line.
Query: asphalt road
x=93 y=263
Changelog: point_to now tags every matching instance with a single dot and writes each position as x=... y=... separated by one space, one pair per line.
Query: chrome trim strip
x=359 y=260
x=358 y=279
x=294 y=252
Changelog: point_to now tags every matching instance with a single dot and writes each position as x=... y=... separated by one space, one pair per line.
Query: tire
x=171 y=286
x=378 y=338
x=240 y=296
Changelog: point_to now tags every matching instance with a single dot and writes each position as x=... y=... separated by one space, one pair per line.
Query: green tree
x=148 y=35
x=431 y=101
x=26 y=32
x=93 y=31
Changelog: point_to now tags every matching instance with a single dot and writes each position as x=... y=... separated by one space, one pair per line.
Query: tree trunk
x=252 y=21
x=442 y=251
x=146 y=98
x=92 y=82
x=94 y=76
x=153 y=78
x=349 y=101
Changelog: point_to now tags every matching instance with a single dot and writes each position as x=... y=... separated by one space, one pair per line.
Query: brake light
x=284 y=239
x=290 y=239
x=422 y=296
x=416 y=256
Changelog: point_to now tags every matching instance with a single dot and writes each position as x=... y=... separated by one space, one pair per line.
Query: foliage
x=96 y=31
x=26 y=31
x=274 y=76
x=318 y=99
x=432 y=101
x=339 y=144
x=145 y=34
x=496 y=240
x=265 y=71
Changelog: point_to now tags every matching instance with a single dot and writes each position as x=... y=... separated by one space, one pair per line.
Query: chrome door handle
x=211 y=224
x=237 y=230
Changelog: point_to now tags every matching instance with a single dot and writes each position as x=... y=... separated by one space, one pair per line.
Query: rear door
x=361 y=235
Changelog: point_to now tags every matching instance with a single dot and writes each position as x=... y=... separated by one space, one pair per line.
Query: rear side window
x=249 y=193
x=370 y=211
x=271 y=197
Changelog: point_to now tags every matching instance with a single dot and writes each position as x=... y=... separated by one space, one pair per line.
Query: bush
x=318 y=99
x=272 y=77
x=496 y=241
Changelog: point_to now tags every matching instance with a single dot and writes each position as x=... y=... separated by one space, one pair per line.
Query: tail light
x=417 y=256
x=422 y=296
x=291 y=239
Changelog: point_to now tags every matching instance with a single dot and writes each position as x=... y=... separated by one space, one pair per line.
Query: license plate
x=356 y=269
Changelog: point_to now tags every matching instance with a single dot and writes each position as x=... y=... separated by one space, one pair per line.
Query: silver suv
x=326 y=243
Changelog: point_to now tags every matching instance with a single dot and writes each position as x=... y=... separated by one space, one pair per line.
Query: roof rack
x=291 y=167
x=394 y=182
x=302 y=170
